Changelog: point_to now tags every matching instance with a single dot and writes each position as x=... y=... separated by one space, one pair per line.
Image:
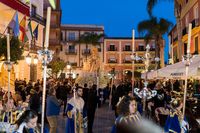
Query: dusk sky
x=118 y=17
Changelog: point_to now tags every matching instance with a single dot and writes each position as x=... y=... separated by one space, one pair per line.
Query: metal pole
x=111 y=89
x=8 y=64
x=186 y=68
x=133 y=51
x=45 y=65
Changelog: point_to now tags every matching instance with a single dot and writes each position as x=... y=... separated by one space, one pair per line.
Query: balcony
x=195 y=23
x=127 y=49
x=71 y=52
x=39 y=19
x=86 y=52
x=139 y=62
x=127 y=61
x=112 y=60
x=140 y=49
x=112 y=49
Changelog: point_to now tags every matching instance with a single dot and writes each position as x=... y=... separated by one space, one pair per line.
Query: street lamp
x=28 y=59
x=32 y=62
x=35 y=60
x=144 y=93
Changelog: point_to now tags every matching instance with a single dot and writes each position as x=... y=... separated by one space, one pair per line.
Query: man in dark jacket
x=61 y=93
x=91 y=106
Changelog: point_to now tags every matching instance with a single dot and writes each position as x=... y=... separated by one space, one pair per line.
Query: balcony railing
x=86 y=52
x=112 y=49
x=127 y=61
x=139 y=62
x=71 y=52
x=38 y=18
x=140 y=49
x=127 y=49
x=112 y=60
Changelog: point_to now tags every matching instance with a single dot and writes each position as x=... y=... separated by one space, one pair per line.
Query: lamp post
x=187 y=60
x=46 y=56
x=8 y=63
x=32 y=62
x=69 y=68
x=144 y=93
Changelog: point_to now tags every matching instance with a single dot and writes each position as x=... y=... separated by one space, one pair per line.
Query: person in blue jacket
x=52 y=110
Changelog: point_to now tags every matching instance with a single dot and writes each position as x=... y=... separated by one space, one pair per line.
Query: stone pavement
x=104 y=120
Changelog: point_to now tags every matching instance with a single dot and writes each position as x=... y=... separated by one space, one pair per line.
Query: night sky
x=118 y=17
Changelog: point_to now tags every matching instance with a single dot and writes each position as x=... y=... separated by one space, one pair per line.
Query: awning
x=177 y=70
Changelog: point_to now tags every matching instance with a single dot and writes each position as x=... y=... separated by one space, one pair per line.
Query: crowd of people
x=22 y=109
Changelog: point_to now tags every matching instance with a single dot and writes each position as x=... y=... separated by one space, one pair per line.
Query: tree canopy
x=16 y=49
x=56 y=65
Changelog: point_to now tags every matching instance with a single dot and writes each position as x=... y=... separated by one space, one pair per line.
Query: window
x=33 y=10
x=71 y=36
x=71 y=47
x=196 y=45
x=127 y=47
x=185 y=48
x=112 y=47
x=61 y=36
x=196 y=14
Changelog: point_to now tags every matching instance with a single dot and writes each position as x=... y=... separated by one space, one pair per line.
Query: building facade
x=190 y=13
x=117 y=56
x=73 y=52
x=34 y=12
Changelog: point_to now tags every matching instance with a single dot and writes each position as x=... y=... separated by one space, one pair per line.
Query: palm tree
x=154 y=28
x=177 y=11
x=90 y=38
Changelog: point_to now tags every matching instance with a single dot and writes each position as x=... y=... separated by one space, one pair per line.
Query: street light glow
x=35 y=60
x=28 y=59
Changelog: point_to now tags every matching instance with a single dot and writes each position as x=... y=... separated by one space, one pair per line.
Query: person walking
x=52 y=110
x=91 y=106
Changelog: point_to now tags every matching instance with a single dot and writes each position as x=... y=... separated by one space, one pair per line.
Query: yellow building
x=22 y=70
x=189 y=14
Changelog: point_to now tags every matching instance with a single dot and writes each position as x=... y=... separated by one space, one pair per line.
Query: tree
x=154 y=28
x=57 y=65
x=177 y=10
x=16 y=49
x=90 y=38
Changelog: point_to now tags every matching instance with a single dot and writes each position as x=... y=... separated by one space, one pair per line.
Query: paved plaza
x=104 y=120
